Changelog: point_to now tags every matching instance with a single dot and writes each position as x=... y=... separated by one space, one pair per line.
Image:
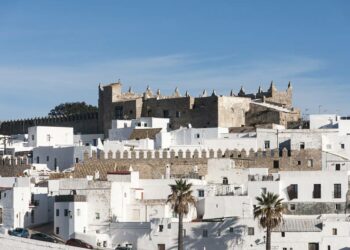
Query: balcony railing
x=262 y=178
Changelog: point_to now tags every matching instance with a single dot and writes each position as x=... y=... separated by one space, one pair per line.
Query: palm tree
x=180 y=199
x=269 y=211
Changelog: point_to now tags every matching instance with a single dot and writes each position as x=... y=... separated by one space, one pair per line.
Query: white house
x=40 y=136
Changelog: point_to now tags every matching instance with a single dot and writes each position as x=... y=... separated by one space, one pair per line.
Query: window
x=104 y=243
x=57 y=212
x=263 y=190
x=231 y=230
x=250 y=230
x=77 y=160
x=342 y=146
x=205 y=233
x=118 y=112
x=32 y=219
x=66 y=212
x=169 y=225
x=299 y=163
x=47 y=158
x=310 y=163
x=337 y=191
x=149 y=112
x=293 y=191
x=267 y=144
x=200 y=193
x=302 y=145
x=160 y=228
x=292 y=207
x=334 y=231
x=316 y=194
x=33 y=137
x=94 y=142
x=178 y=114
x=283 y=234
x=55 y=162
x=37 y=159
x=276 y=164
x=48 y=138
x=225 y=181
x=337 y=167
x=78 y=212
x=285 y=248
x=197 y=136
x=329 y=247
x=337 y=206
x=97 y=215
x=57 y=230
x=145 y=125
x=166 y=113
x=0 y=215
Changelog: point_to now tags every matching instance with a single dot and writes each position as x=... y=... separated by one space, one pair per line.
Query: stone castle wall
x=152 y=164
x=13 y=166
x=82 y=123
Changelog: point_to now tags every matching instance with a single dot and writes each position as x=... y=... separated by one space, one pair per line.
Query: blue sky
x=59 y=51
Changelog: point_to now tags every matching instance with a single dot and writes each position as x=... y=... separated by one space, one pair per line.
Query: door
x=313 y=246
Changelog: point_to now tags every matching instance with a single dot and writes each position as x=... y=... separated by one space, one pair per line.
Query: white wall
x=50 y=136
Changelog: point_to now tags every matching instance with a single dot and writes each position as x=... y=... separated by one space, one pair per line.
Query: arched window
x=225 y=181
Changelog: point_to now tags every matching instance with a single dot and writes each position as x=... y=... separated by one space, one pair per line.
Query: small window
x=145 y=125
x=169 y=225
x=66 y=212
x=104 y=243
x=160 y=228
x=197 y=136
x=205 y=233
x=250 y=230
x=292 y=207
x=33 y=137
x=334 y=231
x=337 y=206
x=337 y=191
x=342 y=146
x=47 y=158
x=283 y=234
x=77 y=160
x=316 y=194
x=37 y=160
x=57 y=212
x=231 y=230
x=97 y=215
x=310 y=163
x=299 y=163
x=57 y=230
x=225 y=181
x=337 y=167
x=302 y=145
x=285 y=248
x=263 y=190
x=276 y=164
x=267 y=144
x=200 y=193
x=166 y=113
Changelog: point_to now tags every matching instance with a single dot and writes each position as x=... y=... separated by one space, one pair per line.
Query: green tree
x=180 y=199
x=269 y=212
x=72 y=108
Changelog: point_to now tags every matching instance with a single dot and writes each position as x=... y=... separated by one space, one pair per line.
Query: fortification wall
x=152 y=164
x=13 y=166
x=82 y=123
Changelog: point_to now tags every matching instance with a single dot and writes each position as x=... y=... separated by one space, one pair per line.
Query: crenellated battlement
x=83 y=123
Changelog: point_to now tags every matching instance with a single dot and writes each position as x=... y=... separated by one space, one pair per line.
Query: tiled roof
x=299 y=225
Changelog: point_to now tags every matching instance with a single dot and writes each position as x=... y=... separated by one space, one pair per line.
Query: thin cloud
x=33 y=91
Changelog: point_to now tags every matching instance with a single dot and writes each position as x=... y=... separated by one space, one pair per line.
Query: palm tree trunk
x=268 y=238
x=180 y=236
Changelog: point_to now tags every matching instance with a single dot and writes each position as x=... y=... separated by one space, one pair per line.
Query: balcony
x=229 y=190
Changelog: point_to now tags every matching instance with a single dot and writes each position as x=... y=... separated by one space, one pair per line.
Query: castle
x=207 y=110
